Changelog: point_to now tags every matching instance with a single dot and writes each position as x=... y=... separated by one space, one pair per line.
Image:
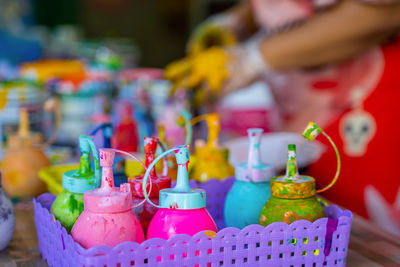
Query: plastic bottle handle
x=138 y=160
x=310 y=133
x=96 y=158
x=189 y=131
x=107 y=139
x=146 y=175
x=165 y=160
x=210 y=119
x=53 y=105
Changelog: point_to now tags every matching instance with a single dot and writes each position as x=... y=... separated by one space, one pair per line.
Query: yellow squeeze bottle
x=211 y=158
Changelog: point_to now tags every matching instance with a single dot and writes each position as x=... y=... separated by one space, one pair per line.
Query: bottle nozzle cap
x=150 y=145
x=182 y=154
x=23 y=123
x=292 y=171
x=106 y=157
x=84 y=146
x=84 y=179
x=292 y=185
x=108 y=198
x=312 y=131
x=254 y=170
x=182 y=196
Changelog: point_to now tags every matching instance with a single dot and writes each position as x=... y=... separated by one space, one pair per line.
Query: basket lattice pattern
x=322 y=243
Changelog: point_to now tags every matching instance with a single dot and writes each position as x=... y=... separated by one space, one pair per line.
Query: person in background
x=333 y=62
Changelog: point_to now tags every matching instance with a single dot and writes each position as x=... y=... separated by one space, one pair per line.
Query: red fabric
x=378 y=166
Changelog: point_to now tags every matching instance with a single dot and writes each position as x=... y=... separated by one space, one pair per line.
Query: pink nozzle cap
x=107 y=157
x=107 y=198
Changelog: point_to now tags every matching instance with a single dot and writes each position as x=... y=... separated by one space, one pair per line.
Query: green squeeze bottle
x=69 y=203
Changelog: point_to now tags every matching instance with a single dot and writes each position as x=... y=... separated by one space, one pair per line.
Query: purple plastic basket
x=324 y=242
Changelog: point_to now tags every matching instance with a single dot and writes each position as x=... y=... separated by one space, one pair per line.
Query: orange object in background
x=22 y=162
x=43 y=70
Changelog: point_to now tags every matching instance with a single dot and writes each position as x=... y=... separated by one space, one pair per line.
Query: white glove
x=220 y=69
x=247 y=64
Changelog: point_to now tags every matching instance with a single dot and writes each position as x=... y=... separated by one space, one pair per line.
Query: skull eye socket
x=348 y=128
x=365 y=128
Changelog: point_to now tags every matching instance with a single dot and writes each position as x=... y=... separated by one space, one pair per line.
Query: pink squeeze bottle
x=107 y=218
x=182 y=209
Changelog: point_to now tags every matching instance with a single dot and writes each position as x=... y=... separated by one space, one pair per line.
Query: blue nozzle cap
x=84 y=146
x=79 y=181
x=182 y=196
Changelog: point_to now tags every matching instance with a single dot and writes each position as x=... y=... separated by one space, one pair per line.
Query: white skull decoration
x=357 y=129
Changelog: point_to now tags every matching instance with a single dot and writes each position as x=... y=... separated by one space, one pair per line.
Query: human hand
x=218 y=70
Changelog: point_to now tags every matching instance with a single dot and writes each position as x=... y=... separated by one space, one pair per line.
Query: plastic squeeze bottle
x=211 y=159
x=182 y=210
x=69 y=203
x=293 y=196
x=252 y=187
x=107 y=218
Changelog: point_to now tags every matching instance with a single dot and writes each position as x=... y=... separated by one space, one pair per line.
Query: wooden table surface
x=369 y=245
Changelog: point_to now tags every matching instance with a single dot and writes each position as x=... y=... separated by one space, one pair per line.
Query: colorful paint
x=251 y=189
x=182 y=209
x=146 y=211
x=211 y=160
x=293 y=196
x=107 y=218
x=312 y=131
x=67 y=207
x=290 y=210
x=69 y=203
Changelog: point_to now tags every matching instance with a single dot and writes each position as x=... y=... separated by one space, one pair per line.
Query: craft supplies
x=211 y=158
x=181 y=209
x=146 y=211
x=251 y=189
x=107 y=218
x=293 y=195
x=69 y=203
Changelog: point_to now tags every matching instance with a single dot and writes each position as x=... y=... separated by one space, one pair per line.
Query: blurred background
x=155 y=31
